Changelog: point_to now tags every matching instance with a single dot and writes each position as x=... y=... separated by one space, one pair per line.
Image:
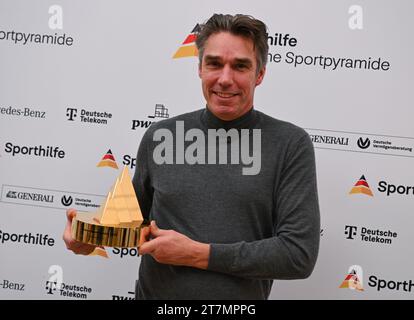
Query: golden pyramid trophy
x=118 y=221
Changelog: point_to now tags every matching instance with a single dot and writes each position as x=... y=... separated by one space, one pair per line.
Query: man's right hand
x=72 y=244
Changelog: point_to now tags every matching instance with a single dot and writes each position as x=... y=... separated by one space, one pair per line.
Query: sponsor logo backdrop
x=81 y=84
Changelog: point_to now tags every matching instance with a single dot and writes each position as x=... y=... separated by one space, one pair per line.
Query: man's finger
x=70 y=214
x=143 y=237
x=155 y=231
x=148 y=247
x=84 y=250
x=67 y=234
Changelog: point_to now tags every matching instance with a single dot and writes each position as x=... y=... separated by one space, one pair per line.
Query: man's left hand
x=171 y=247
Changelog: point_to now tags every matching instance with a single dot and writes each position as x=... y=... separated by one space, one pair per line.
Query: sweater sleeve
x=292 y=252
x=142 y=178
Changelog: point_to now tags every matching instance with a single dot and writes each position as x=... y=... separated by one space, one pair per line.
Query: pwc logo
x=354 y=279
x=188 y=48
x=160 y=112
x=119 y=297
x=362 y=187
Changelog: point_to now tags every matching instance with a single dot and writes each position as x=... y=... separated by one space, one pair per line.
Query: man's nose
x=226 y=76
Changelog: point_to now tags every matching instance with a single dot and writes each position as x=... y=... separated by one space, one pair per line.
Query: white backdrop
x=117 y=64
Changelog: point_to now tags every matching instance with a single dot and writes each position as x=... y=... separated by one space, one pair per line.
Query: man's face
x=229 y=76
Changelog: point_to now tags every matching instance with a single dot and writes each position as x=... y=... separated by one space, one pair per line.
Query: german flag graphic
x=108 y=160
x=188 y=47
x=352 y=282
x=362 y=187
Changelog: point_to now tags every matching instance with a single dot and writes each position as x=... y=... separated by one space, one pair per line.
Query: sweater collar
x=246 y=121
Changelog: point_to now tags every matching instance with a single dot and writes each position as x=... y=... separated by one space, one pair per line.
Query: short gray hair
x=240 y=25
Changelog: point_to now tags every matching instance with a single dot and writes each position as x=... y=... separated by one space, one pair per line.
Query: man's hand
x=144 y=236
x=171 y=247
x=76 y=246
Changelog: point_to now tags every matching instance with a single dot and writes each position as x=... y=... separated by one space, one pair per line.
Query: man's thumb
x=155 y=231
x=70 y=214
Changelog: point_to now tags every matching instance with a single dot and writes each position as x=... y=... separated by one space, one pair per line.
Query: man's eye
x=213 y=63
x=241 y=66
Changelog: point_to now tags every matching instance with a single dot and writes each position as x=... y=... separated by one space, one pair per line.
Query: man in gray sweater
x=230 y=192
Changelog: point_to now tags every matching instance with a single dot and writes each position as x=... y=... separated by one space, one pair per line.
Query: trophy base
x=87 y=230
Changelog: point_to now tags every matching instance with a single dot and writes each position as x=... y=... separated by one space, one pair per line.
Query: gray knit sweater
x=260 y=227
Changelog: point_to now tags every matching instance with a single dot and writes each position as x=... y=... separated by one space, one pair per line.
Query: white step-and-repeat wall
x=80 y=78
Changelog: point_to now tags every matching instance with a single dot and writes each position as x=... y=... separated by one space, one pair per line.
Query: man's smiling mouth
x=225 y=94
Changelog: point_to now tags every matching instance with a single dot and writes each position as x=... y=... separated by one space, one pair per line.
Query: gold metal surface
x=118 y=221
x=87 y=230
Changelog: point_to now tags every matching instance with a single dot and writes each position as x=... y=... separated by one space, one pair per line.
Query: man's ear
x=260 y=76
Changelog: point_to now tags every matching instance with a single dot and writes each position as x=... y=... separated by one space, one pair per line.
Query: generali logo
x=188 y=48
x=354 y=279
x=362 y=187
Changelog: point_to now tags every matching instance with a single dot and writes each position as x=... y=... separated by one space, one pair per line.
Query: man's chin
x=224 y=113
